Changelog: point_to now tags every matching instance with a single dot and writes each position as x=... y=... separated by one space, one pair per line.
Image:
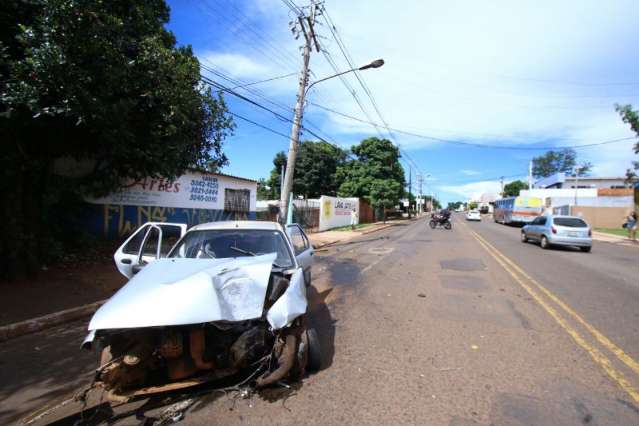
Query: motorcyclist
x=443 y=216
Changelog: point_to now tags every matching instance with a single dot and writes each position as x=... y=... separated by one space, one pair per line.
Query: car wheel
x=585 y=249
x=544 y=242
x=314 y=362
x=307 y=278
x=524 y=238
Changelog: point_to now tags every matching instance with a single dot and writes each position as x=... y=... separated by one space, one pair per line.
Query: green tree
x=454 y=205
x=102 y=83
x=631 y=117
x=315 y=169
x=263 y=190
x=376 y=175
x=513 y=188
x=472 y=205
x=274 y=182
x=555 y=162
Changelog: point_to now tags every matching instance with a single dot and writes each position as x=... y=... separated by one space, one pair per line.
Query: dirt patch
x=75 y=281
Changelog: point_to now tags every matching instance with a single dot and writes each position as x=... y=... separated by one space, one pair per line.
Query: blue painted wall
x=116 y=221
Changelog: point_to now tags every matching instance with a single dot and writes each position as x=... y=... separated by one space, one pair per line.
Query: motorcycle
x=442 y=221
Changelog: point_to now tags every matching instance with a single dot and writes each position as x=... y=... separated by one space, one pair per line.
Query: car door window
x=150 y=247
x=133 y=245
x=299 y=240
x=542 y=221
x=170 y=235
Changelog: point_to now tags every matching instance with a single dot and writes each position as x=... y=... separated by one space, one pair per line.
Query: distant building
x=485 y=201
x=563 y=181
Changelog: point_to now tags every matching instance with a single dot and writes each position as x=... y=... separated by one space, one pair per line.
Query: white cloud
x=472 y=190
x=452 y=68
x=500 y=72
x=469 y=172
x=236 y=65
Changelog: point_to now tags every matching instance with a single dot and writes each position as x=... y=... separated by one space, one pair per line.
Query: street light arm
x=375 y=64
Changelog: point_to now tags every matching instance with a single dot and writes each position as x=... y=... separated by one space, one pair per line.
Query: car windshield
x=570 y=222
x=225 y=243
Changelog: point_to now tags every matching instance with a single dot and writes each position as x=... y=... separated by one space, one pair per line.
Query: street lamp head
x=375 y=64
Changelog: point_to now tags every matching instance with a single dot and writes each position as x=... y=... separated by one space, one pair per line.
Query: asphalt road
x=422 y=326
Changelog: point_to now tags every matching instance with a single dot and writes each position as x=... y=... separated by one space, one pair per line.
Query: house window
x=237 y=200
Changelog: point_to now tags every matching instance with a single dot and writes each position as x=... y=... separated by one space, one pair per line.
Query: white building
x=563 y=181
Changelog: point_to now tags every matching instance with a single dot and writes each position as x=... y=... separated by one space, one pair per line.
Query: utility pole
x=410 y=186
x=502 y=186
x=530 y=167
x=420 y=180
x=306 y=26
x=576 y=182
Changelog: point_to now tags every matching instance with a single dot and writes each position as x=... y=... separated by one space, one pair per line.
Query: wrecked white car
x=227 y=301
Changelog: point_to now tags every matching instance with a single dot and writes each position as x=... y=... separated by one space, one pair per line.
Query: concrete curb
x=33 y=325
x=370 y=231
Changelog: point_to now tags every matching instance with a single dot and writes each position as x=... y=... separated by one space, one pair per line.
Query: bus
x=517 y=209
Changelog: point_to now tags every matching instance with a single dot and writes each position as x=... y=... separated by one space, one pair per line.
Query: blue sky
x=523 y=74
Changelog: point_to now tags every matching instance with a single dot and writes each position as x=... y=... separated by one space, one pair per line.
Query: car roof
x=565 y=216
x=238 y=224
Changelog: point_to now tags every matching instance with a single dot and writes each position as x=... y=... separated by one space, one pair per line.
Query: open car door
x=151 y=241
x=303 y=250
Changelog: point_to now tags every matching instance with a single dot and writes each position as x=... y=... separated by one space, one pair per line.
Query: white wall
x=335 y=212
x=191 y=190
x=554 y=192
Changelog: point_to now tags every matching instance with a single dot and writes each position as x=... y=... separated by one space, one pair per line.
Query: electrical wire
x=242 y=86
x=228 y=90
x=477 y=145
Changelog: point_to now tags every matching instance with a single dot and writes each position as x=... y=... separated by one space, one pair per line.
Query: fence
x=366 y=212
x=307 y=214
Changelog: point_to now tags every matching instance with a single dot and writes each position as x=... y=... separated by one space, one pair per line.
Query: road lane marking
x=596 y=355
x=372 y=264
x=605 y=341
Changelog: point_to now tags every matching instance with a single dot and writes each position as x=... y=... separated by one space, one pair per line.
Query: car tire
x=585 y=249
x=544 y=243
x=524 y=238
x=314 y=362
x=307 y=278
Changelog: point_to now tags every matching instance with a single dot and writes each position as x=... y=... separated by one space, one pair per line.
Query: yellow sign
x=328 y=206
x=528 y=202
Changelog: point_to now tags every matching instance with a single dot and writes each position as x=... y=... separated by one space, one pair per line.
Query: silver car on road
x=552 y=230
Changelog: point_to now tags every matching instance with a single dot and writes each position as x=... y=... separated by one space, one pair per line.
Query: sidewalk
x=327 y=238
x=614 y=239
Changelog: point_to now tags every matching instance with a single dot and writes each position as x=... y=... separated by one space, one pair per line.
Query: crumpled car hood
x=191 y=291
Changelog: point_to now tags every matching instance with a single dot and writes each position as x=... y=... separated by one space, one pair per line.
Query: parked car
x=473 y=215
x=226 y=301
x=552 y=230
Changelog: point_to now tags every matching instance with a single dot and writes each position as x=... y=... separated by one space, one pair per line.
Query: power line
x=477 y=145
x=242 y=86
x=259 y=125
x=225 y=89
x=259 y=94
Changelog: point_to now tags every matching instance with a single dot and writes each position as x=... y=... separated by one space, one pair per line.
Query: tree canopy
x=631 y=117
x=553 y=162
x=512 y=189
x=104 y=83
x=454 y=205
x=376 y=175
x=315 y=168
